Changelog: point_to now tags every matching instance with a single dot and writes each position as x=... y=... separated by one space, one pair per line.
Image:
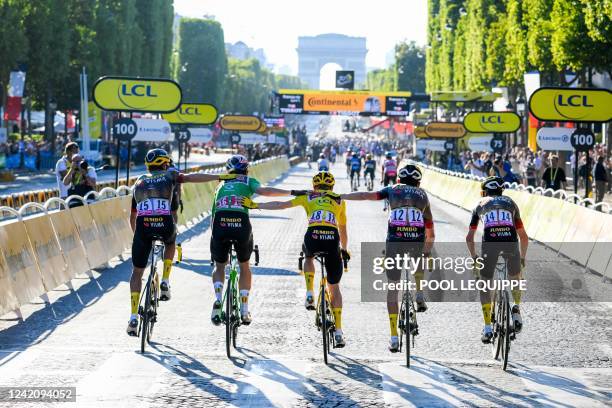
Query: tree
x=202 y=62
x=13 y=40
x=409 y=67
x=382 y=80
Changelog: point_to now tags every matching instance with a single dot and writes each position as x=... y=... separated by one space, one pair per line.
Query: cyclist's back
x=389 y=170
x=500 y=217
x=409 y=212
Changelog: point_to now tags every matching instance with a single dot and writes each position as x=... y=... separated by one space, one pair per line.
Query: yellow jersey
x=322 y=210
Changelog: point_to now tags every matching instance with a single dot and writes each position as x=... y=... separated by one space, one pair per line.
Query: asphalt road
x=563 y=357
x=40 y=181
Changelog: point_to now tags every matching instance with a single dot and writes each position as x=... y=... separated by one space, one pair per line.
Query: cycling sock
x=244 y=301
x=393 y=323
x=418 y=277
x=337 y=317
x=309 y=277
x=516 y=296
x=218 y=290
x=167 y=268
x=135 y=297
x=486 y=313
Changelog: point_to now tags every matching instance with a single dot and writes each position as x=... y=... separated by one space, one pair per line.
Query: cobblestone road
x=563 y=357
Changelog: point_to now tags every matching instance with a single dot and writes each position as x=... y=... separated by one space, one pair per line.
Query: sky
x=275 y=25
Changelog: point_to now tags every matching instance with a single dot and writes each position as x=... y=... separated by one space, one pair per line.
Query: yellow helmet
x=323 y=178
x=157 y=158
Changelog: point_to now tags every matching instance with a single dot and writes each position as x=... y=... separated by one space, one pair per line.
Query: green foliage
x=382 y=80
x=202 y=64
x=475 y=44
x=13 y=41
x=248 y=86
x=410 y=67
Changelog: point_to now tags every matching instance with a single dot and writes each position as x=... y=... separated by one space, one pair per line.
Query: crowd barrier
x=572 y=230
x=40 y=252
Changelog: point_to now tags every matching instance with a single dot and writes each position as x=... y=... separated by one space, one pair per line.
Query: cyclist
x=369 y=167
x=355 y=168
x=502 y=226
x=389 y=173
x=154 y=204
x=230 y=222
x=326 y=233
x=410 y=230
x=349 y=156
x=323 y=164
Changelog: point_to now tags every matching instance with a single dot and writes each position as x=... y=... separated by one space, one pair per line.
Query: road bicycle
x=503 y=330
x=149 y=298
x=324 y=316
x=231 y=315
x=408 y=325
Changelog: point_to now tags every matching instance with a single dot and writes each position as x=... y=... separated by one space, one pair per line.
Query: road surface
x=563 y=357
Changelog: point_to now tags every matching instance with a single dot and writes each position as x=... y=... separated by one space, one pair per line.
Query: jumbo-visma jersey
x=322 y=210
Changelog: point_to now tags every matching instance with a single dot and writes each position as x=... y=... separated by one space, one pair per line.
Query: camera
x=84 y=165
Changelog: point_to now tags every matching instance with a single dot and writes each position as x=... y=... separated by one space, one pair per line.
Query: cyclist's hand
x=181 y=205
x=476 y=269
x=299 y=192
x=248 y=203
x=346 y=255
x=227 y=176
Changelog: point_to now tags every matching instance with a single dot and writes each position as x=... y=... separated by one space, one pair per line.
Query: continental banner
x=492 y=122
x=445 y=129
x=351 y=102
x=193 y=114
x=127 y=94
x=241 y=123
x=571 y=104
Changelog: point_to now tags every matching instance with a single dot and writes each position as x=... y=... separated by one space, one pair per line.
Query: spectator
x=554 y=176
x=600 y=174
x=61 y=168
x=475 y=165
x=530 y=172
x=81 y=177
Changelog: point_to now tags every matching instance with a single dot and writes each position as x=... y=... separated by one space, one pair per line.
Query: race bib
x=322 y=216
x=153 y=206
x=498 y=218
x=229 y=202
x=406 y=217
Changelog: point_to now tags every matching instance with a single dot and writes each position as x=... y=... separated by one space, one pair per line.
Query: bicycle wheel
x=324 y=328
x=144 y=328
x=496 y=320
x=229 y=293
x=506 y=329
x=153 y=308
x=408 y=323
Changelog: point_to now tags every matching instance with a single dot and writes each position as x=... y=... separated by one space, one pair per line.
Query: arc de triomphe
x=315 y=52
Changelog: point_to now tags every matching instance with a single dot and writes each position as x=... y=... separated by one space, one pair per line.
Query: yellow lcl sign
x=132 y=94
x=193 y=113
x=240 y=123
x=492 y=122
x=571 y=104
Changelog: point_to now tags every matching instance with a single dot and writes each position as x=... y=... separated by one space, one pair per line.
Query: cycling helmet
x=321 y=156
x=157 y=158
x=492 y=186
x=237 y=164
x=355 y=155
x=323 y=179
x=369 y=156
x=388 y=155
x=410 y=174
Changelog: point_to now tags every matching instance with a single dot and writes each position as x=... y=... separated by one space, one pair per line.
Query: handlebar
x=256 y=250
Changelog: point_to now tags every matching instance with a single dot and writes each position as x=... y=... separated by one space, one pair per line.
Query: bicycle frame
x=149 y=300
x=500 y=315
x=324 y=318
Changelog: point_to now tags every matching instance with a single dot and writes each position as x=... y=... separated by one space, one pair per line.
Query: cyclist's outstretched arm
x=361 y=195
x=275 y=205
x=200 y=177
x=273 y=192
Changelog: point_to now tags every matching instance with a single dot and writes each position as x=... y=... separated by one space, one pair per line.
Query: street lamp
x=520 y=109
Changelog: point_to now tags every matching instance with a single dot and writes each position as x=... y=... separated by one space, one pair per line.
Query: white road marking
x=274 y=382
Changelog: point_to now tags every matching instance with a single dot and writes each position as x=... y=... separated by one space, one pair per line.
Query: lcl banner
x=193 y=114
x=571 y=104
x=127 y=94
x=492 y=122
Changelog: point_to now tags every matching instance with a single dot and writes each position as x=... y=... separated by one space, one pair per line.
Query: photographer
x=81 y=178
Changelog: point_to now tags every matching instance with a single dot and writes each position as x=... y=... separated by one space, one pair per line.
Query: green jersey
x=229 y=191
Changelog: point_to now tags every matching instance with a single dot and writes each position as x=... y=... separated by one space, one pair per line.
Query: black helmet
x=492 y=185
x=157 y=158
x=410 y=174
x=237 y=164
